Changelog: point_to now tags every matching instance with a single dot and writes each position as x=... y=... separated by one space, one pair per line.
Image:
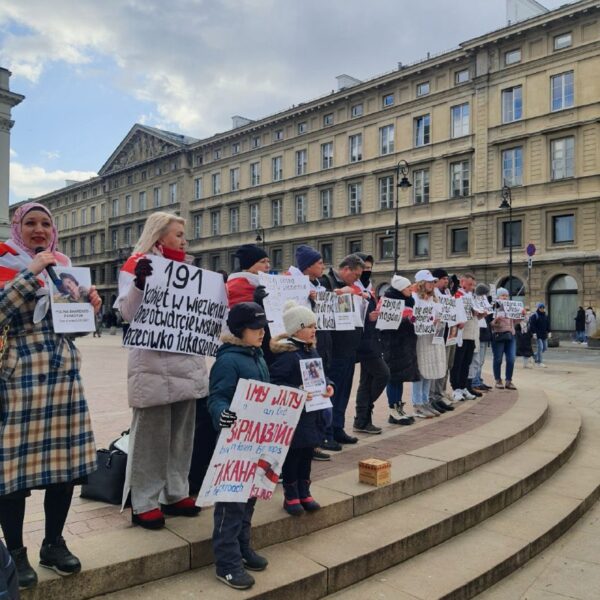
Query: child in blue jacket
x=240 y=357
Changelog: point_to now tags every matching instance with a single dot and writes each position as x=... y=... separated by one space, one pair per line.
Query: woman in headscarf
x=46 y=439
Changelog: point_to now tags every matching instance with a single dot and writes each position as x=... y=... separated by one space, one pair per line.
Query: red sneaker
x=151 y=519
x=184 y=508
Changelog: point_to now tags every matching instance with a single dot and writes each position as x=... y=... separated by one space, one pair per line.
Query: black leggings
x=297 y=465
x=57 y=502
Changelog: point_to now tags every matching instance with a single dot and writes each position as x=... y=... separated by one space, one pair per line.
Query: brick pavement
x=104 y=374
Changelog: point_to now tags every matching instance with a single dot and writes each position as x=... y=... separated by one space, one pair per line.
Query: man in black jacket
x=539 y=325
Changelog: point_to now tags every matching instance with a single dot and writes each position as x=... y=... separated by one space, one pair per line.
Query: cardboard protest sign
x=183 y=310
x=248 y=458
x=424 y=314
x=71 y=308
x=481 y=305
x=324 y=310
x=390 y=314
x=448 y=310
x=513 y=309
x=313 y=381
x=282 y=288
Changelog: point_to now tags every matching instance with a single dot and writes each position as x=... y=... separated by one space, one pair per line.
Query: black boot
x=25 y=573
x=291 y=500
x=58 y=557
x=308 y=502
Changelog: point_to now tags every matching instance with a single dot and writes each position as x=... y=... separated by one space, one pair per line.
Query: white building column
x=8 y=99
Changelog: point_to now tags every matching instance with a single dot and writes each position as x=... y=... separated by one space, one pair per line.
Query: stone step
x=348 y=552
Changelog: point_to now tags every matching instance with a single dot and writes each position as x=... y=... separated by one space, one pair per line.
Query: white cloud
x=51 y=154
x=32 y=181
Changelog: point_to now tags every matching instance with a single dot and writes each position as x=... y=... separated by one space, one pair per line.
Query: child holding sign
x=297 y=344
x=240 y=357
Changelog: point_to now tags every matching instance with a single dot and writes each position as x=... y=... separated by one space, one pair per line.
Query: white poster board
x=183 y=310
x=513 y=309
x=424 y=314
x=448 y=310
x=71 y=308
x=282 y=288
x=324 y=310
x=390 y=314
x=248 y=458
x=313 y=381
x=481 y=305
x=345 y=319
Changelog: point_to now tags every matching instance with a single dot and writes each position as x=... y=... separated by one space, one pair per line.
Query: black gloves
x=143 y=269
x=227 y=419
x=260 y=293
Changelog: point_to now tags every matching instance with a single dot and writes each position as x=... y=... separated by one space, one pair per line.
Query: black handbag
x=106 y=483
x=502 y=336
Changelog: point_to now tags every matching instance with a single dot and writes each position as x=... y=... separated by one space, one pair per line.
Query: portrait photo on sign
x=313 y=375
x=72 y=311
x=344 y=303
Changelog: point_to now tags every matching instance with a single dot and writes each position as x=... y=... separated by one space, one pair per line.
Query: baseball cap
x=247 y=315
x=424 y=275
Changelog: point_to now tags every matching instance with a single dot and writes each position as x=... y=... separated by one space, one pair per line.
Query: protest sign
x=467 y=302
x=71 y=308
x=481 y=305
x=452 y=335
x=390 y=314
x=183 y=310
x=325 y=310
x=313 y=381
x=361 y=307
x=344 y=313
x=282 y=288
x=438 y=334
x=248 y=458
x=461 y=315
x=448 y=310
x=424 y=313
x=513 y=309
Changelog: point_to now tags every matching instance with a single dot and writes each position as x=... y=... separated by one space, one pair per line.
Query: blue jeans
x=580 y=336
x=477 y=364
x=542 y=346
x=341 y=372
x=508 y=349
x=394 y=393
x=420 y=392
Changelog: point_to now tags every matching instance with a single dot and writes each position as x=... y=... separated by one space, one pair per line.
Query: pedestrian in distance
x=524 y=344
x=580 y=325
x=539 y=325
x=590 y=323
x=503 y=343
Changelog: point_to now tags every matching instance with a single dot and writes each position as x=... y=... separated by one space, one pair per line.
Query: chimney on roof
x=237 y=121
x=345 y=81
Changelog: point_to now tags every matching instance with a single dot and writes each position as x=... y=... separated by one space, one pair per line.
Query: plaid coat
x=45 y=430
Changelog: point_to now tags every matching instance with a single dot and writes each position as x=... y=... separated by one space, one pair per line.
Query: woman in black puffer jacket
x=400 y=352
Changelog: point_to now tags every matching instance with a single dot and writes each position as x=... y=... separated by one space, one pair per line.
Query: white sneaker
x=468 y=396
x=458 y=396
x=542 y=365
x=421 y=413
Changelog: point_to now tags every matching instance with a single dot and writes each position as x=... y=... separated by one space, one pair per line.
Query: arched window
x=562 y=302
x=515 y=287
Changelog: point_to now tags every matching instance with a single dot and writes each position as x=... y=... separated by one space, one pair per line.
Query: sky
x=91 y=69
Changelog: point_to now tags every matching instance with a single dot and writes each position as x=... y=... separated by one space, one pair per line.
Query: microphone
x=50 y=270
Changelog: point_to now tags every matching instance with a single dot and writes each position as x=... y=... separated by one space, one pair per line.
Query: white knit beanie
x=400 y=283
x=296 y=317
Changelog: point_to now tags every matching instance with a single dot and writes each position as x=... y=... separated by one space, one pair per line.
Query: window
x=460 y=120
x=300 y=202
x=255 y=142
x=327 y=155
x=356 y=110
x=198 y=188
x=459 y=179
x=216 y=183
x=142 y=200
x=354 y=246
x=386 y=248
x=327 y=253
x=74 y=247
x=562 y=41
x=254 y=215
x=215 y=222
x=355 y=145
x=302 y=127
x=93 y=243
x=461 y=76
x=84 y=216
x=235 y=148
x=276 y=255
x=512 y=57
x=386 y=140
x=387 y=100
x=562 y=92
x=93 y=214
x=326 y=203
x=562 y=156
x=278 y=135
x=157 y=171
x=423 y=89
x=563 y=229
x=197 y=226
x=234 y=179
x=82 y=246
x=115 y=208
x=460 y=240
x=512 y=166
x=65 y=221
x=421 y=186
x=328 y=120
x=129 y=179
x=301 y=161
x=73 y=218
x=128 y=205
x=114 y=239
x=172 y=193
x=156 y=196
x=422 y=130
x=102 y=242
x=277 y=168
x=512 y=234
x=234 y=219
x=421 y=244
x=512 y=104
x=140 y=228
x=355 y=198
x=126 y=236
x=217 y=153
x=198 y=160
x=255 y=173
x=276 y=212
x=215 y=262
x=386 y=192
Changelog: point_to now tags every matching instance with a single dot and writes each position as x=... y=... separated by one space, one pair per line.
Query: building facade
x=519 y=106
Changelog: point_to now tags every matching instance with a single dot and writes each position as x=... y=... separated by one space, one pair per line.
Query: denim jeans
x=542 y=346
x=580 y=336
x=341 y=372
x=508 y=349
x=477 y=364
x=394 y=393
x=420 y=392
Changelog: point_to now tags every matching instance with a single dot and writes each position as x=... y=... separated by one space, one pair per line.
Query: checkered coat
x=45 y=431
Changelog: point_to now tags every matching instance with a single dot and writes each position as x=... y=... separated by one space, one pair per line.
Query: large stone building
x=518 y=106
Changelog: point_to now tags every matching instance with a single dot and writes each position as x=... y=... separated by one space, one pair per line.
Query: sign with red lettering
x=248 y=458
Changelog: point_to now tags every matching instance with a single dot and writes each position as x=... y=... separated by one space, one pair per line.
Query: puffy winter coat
x=539 y=324
x=240 y=287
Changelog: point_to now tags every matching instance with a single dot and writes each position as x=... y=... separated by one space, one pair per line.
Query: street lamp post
x=401 y=183
x=507 y=204
x=260 y=236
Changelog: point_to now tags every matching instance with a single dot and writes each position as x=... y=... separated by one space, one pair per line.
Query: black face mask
x=365 y=278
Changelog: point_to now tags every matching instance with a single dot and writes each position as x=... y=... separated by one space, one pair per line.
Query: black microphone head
x=39 y=249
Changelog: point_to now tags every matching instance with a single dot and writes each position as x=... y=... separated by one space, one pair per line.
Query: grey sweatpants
x=438 y=386
x=160 y=452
